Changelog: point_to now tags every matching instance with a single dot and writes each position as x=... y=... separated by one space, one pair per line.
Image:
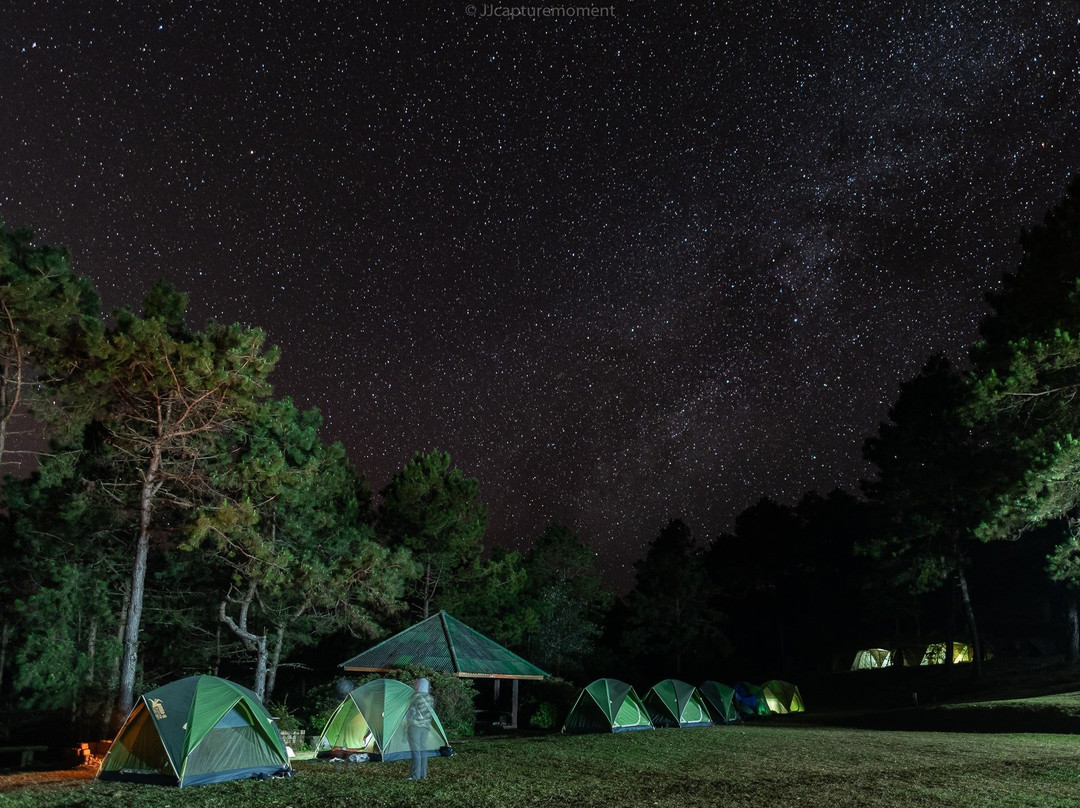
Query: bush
x=547 y=703
x=283 y=716
x=545 y=717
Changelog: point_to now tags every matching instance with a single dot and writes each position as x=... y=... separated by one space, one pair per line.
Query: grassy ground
x=778 y=762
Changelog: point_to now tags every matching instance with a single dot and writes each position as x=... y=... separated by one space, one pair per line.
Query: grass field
x=778 y=762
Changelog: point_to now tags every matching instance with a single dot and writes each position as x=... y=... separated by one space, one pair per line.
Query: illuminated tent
x=720 y=702
x=371 y=719
x=607 y=705
x=783 y=697
x=197 y=730
x=938 y=653
x=871 y=658
x=674 y=703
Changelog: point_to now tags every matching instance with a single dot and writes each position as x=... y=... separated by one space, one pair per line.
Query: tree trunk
x=91 y=652
x=275 y=660
x=679 y=641
x=9 y=404
x=129 y=659
x=110 y=715
x=3 y=437
x=217 y=651
x=428 y=592
x=260 y=667
x=1072 y=654
x=969 y=613
x=5 y=633
x=252 y=641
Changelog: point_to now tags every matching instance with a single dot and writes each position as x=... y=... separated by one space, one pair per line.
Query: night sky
x=657 y=261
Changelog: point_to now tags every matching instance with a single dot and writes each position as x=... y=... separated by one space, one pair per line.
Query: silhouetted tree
x=671 y=615
x=1025 y=386
x=932 y=486
x=435 y=511
x=569 y=599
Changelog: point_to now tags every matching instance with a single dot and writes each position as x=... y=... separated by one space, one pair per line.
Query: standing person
x=418 y=719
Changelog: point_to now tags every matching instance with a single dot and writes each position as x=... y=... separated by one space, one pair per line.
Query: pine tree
x=164 y=395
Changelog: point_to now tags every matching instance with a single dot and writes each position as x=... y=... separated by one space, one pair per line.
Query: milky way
x=626 y=263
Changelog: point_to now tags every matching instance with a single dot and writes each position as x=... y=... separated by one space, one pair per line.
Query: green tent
x=720 y=702
x=201 y=729
x=371 y=719
x=607 y=705
x=674 y=703
x=783 y=697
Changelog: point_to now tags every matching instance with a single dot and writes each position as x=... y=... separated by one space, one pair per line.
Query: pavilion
x=445 y=644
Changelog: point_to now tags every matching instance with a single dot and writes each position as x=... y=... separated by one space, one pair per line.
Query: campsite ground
x=1006 y=744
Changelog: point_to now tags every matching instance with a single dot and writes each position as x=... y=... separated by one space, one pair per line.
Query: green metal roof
x=445 y=644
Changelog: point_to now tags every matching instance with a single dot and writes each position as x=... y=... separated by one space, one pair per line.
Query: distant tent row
x=933 y=654
x=609 y=705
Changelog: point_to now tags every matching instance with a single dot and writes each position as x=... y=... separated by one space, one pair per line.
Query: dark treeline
x=185 y=520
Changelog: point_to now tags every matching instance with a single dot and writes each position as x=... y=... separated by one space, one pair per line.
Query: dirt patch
x=60 y=778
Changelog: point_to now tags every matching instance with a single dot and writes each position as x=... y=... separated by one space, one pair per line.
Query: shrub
x=284 y=717
x=547 y=703
x=545 y=716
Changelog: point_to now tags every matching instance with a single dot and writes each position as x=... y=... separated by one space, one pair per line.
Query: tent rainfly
x=445 y=644
x=720 y=701
x=371 y=719
x=607 y=705
x=197 y=730
x=674 y=703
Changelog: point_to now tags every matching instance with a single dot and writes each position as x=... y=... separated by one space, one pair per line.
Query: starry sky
x=626 y=263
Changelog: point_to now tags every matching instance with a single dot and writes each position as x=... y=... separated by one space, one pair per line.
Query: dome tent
x=607 y=705
x=197 y=730
x=371 y=719
x=721 y=703
x=674 y=703
x=872 y=658
x=783 y=697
